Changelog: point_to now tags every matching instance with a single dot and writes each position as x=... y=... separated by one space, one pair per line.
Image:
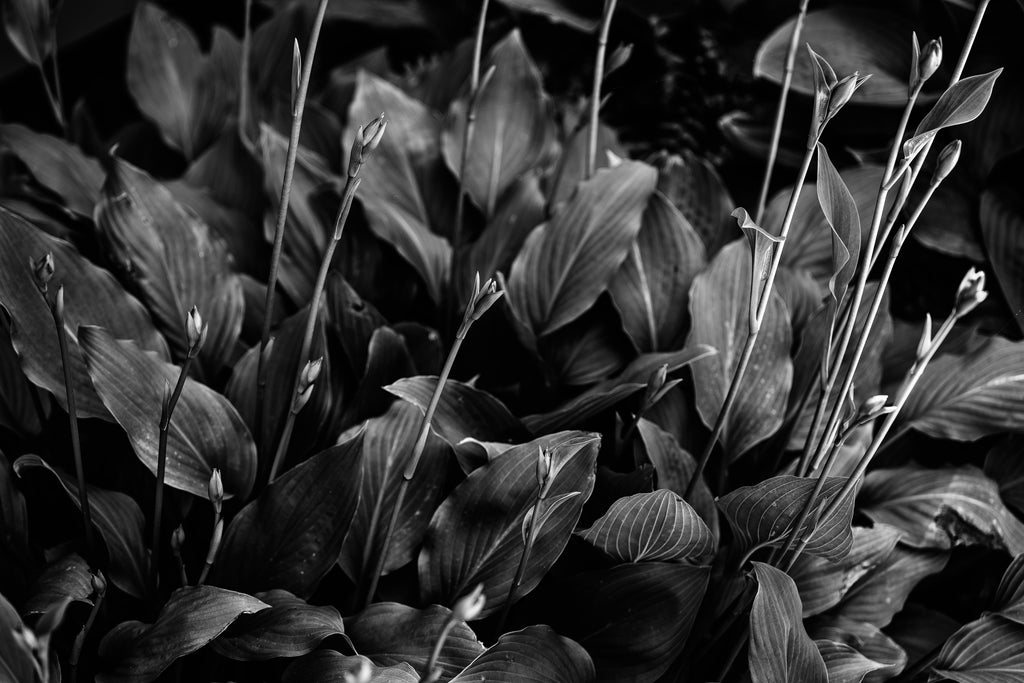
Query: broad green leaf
x=388 y=360
x=91 y=297
x=942 y=508
x=290 y=535
x=965 y=397
x=535 y=654
x=611 y=392
x=822 y=583
x=854 y=651
x=396 y=192
x=29 y=25
x=719 y=312
x=475 y=535
x=66 y=579
x=780 y=649
x=567 y=262
x=187 y=94
x=18 y=400
x=633 y=619
x=988 y=650
x=651 y=286
x=118 y=520
x=191 y=618
x=513 y=128
x=590 y=349
x=205 y=431
x=881 y=592
x=1009 y=600
x=173 y=259
x=840 y=210
x=58 y=165
x=1005 y=465
x=961 y=103
x=571 y=169
x=1002 y=230
x=388 y=443
x=763 y=514
x=390 y=634
x=290 y=628
x=329 y=666
x=693 y=186
x=652 y=527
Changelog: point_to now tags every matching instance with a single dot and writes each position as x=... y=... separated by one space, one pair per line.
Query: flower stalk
x=595 y=96
x=215 y=492
x=466 y=608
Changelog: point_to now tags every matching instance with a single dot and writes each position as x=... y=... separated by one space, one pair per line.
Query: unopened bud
x=874 y=407
x=58 y=303
x=366 y=140
x=469 y=607
x=361 y=673
x=655 y=383
x=543 y=466
x=311 y=372
x=215 y=490
x=971 y=292
x=484 y=298
x=926 y=337
x=195 y=331
x=843 y=91
x=42 y=271
x=177 y=540
x=619 y=57
x=928 y=62
x=99 y=583
x=296 y=76
x=913 y=146
x=948 y=157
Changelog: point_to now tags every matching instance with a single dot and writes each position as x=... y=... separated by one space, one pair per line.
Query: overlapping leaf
x=571 y=168
x=989 y=650
x=1002 y=229
x=536 y=654
x=693 y=186
x=1005 y=466
x=882 y=592
x=780 y=649
x=1009 y=600
x=331 y=667
x=29 y=25
x=68 y=579
x=854 y=652
x=58 y=165
x=205 y=432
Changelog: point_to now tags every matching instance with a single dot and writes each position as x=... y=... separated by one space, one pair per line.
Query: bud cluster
x=307 y=380
x=831 y=93
x=366 y=140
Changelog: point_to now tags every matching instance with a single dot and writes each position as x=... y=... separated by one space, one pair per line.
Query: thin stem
x=57 y=309
x=524 y=559
x=161 y=468
x=211 y=553
x=55 y=107
x=748 y=347
x=76 y=648
x=972 y=35
x=780 y=112
x=435 y=654
x=351 y=184
x=595 y=96
x=282 y=217
x=55 y=67
x=243 y=76
x=182 y=573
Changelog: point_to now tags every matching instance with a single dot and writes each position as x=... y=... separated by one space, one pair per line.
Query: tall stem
x=524 y=559
x=780 y=111
x=282 y=216
x=748 y=347
x=243 y=74
x=595 y=95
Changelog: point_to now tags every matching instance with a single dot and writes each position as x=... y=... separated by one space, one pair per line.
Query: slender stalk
x=298 y=107
x=211 y=553
x=100 y=590
x=55 y=107
x=243 y=75
x=762 y=308
x=524 y=559
x=431 y=672
x=595 y=96
x=57 y=311
x=55 y=67
x=780 y=112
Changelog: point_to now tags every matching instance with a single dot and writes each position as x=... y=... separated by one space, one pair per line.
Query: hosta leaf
x=58 y=165
x=388 y=443
x=942 y=508
x=651 y=286
x=989 y=650
x=205 y=431
x=567 y=262
x=388 y=360
x=18 y=400
x=588 y=350
x=1009 y=600
x=763 y=514
x=611 y=392
x=92 y=297
x=475 y=535
x=881 y=593
x=119 y=521
x=965 y=397
x=854 y=651
x=66 y=579
x=961 y=103
x=920 y=631
x=187 y=94
x=536 y=654
x=290 y=628
x=652 y=527
x=390 y=633
x=780 y=649
x=173 y=259
x=290 y=536
x=571 y=168
x=328 y=666
x=822 y=583
x=193 y=616
x=1005 y=465
x=1002 y=229
x=851 y=39
x=29 y=26
x=633 y=619
x=513 y=126
x=694 y=187
x=720 y=316
x=841 y=213
x=395 y=192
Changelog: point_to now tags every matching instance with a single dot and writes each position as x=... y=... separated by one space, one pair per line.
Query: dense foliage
x=443 y=370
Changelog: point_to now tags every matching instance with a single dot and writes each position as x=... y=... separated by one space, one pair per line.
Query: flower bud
x=484 y=298
x=296 y=76
x=99 y=583
x=655 y=383
x=927 y=63
x=361 y=673
x=971 y=292
x=307 y=380
x=215 y=490
x=872 y=408
x=366 y=140
x=948 y=157
x=42 y=271
x=195 y=332
x=926 y=337
x=914 y=145
x=543 y=466
x=842 y=92
x=468 y=607
x=177 y=541
x=619 y=57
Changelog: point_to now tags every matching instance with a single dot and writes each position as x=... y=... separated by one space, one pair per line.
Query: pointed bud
x=468 y=607
x=58 y=303
x=361 y=673
x=619 y=57
x=215 y=490
x=842 y=93
x=926 y=337
x=824 y=80
x=543 y=466
x=927 y=63
x=948 y=157
x=177 y=541
x=366 y=139
x=873 y=408
x=195 y=332
x=296 y=76
x=307 y=380
x=484 y=298
x=98 y=582
x=971 y=292
x=311 y=372
x=655 y=383
x=42 y=271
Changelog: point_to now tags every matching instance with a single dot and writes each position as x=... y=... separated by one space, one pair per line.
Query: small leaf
x=780 y=649
x=58 y=165
x=961 y=103
x=763 y=514
x=535 y=654
x=290 y=536
x=652 y=527
x=192 y=617
x=988 y=650
x=205 y=432
x=566 y=263
x=841 y=214
x=854 y=652
x=66 y=579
